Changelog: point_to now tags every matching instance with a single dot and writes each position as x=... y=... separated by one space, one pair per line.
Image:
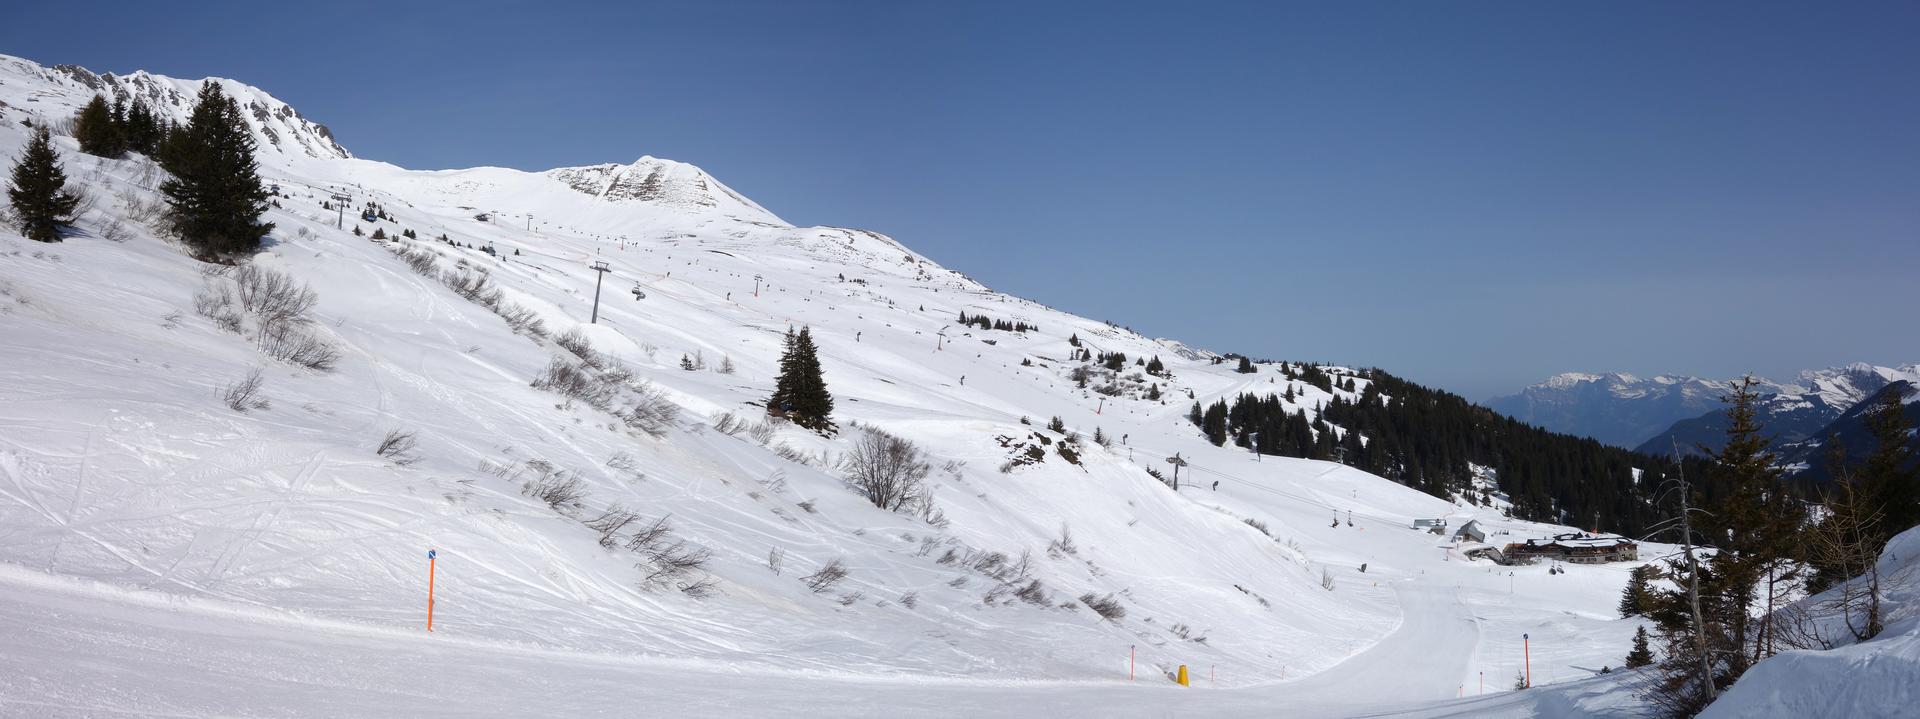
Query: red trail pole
x=1130 y=662
x=430 y=556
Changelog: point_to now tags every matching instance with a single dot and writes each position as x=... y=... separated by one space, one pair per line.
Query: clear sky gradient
x=1475 y=195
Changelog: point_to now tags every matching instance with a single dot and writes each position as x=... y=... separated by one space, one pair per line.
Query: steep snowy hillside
x=137 y=471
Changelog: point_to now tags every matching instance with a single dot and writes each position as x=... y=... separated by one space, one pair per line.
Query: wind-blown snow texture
x=162 y=553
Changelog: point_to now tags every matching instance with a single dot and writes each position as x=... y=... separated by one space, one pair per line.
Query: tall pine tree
x=216 y=194
x=800 y=392
x=38 y=190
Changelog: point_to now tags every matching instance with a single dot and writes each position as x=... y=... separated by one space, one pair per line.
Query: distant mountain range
x=1656 y=414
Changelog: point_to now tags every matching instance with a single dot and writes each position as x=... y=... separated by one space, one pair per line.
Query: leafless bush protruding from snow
x=273 y=296
x=1326 y=580
x=652 y=411
x=576 y=342
x=775 y=557
x=829 y=575
x=475 y=286
x=574 y=382
x=398 y=447
x=610 y=523
x=1063 y=546
x=298 y=346
x=889 y=470
x=760 y=432
x=673 y=562
x=651 y=537
x=1033 y=593
x=115 y=231
x=419 y=259
x=622 y=461
x=1107 y=607
x=728 y=423
x=910 y=600
x=521 y=320
x=244 y=394
x=558 y=489
x=215 y=302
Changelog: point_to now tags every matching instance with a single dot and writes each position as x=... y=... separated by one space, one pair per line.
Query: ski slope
x=267 y=561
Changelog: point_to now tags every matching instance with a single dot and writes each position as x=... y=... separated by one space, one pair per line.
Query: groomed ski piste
x=162 y=554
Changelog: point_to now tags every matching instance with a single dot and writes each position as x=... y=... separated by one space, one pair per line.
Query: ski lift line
x=1282 y=493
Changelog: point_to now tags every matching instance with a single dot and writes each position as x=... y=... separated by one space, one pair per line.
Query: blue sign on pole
x=430 y=554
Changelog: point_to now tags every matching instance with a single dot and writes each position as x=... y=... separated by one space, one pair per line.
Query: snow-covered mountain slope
x=127 y=476
x=59 y=91
x=1792 y=414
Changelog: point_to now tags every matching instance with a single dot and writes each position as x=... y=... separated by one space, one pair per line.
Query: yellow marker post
x=1183 y=676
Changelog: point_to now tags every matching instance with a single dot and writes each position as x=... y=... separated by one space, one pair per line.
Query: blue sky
x=1470 y=194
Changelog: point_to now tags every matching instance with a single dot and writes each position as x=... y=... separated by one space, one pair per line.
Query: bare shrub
x=298 y=346
x=521 y=320
x=475 y=286
x=829 y=575
x=116 y=231
x=1063 y=546
x=622 y=461
x=398 y=447
x=1107 y=607
x=652 y=411
x=651 y=537
x=728 y=423
x=421 y=260
x=761 y=432
x=574 y=341
x=244 y=394
x=701 y=588
x=889 y=470
x=1033 y=593
x=1257 y=524
x=775 y=557
x=574 y=382
x=910 y=600
x=215 y=301
x=273 y=296
x=848 y=599
x=557 y=489
x=610 y=522
x=726 y=365
x=1326 y=580
x=670 y=563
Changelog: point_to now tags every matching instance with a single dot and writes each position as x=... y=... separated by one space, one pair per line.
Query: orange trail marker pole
x=1526 y=647
x=430 y=557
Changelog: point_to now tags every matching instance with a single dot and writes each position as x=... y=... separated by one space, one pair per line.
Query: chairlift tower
x=601 y=267
x=340 y=201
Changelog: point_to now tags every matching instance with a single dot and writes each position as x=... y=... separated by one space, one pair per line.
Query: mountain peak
x=278 y=129
x=665 y=183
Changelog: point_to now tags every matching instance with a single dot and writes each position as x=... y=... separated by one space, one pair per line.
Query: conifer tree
x=95 y=129
x=1641 y=655
x=1246 y=366
x=38 y=190
x=1637 y=597
x=1890 y=476
x=800 y=391
x=216 y=193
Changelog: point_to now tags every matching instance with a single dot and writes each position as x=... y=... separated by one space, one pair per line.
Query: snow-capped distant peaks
x=56 y=93
x=665 y=183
